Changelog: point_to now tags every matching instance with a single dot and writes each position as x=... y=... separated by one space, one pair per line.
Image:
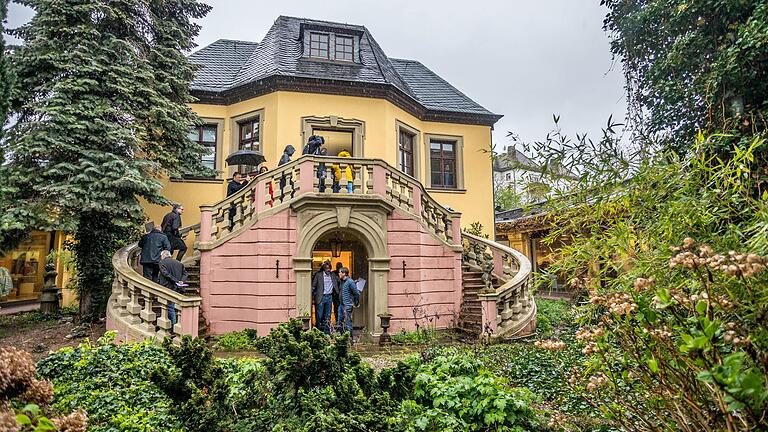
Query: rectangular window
x=249 y=140
x=249 y=135
x=206 y=136
x=318 y=45
x=442 y=155
x=344 y=48
x=406 y=152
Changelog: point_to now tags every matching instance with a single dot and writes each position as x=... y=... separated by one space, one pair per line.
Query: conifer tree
x=102 y=115
x=5 y=76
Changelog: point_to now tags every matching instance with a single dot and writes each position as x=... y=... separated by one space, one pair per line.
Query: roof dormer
x=327 y=43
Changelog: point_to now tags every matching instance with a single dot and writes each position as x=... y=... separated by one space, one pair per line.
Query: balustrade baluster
x=148 y=316
x=163 y=323
x=133 y=307
x=358 y=179
x=369 y=180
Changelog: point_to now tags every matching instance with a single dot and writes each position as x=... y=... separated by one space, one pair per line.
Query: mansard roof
x=231 y=71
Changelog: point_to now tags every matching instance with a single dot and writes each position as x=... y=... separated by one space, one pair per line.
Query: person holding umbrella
x=246 y=157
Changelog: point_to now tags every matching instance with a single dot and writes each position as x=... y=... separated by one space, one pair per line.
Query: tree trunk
x=97 y=241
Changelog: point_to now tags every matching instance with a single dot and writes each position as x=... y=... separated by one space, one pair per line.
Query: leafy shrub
x=675 y=263
x=457 y=393
x=317 y=383
x=110 y=382
x=244 y=340
x=196 y=385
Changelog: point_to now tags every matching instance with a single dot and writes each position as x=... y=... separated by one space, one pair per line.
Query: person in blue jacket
x=350 y=297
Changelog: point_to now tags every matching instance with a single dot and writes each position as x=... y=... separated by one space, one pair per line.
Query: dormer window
x=331 y=44
x=318 y=45
x=345 y=48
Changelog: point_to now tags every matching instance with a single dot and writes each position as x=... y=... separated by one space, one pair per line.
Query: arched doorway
x=344 y=247
x=363 y=223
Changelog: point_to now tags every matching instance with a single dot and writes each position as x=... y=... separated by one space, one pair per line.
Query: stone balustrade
x=271 y=191
x=138 y=307
x=508 y=309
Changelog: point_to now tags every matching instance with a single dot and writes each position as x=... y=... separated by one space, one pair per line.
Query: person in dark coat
x=321 y=172
x=324 y=285
x=173 y=276
x=350 y=297
x=337 y=298
x=237 y=183
x=287 y=154
x=313 y=145
x=284 y=159
x=234 y=186
x=152 y=244
x=170 y=226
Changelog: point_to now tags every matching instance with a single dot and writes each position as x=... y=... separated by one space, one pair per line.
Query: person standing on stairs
x=324 y=285
x=234 y=186
x=152 y=244
x=170 y=226
x=173 y=276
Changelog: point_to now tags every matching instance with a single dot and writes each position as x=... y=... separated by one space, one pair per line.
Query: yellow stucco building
x=309 y=77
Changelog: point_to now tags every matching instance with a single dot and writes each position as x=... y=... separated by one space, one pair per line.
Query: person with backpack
x=171 y=226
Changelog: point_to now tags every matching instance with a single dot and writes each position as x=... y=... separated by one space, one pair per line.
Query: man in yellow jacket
x=347 y=174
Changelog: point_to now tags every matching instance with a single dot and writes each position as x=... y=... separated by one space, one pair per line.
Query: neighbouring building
x=524 y=230
x=530 y=181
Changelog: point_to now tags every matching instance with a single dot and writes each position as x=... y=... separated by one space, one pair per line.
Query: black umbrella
x=246 y=157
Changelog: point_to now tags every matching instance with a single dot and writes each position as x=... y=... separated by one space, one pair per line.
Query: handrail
x=509 y=306
x=134 y=300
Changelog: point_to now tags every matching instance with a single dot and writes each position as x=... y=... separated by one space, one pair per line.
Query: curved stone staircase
x=495 y=302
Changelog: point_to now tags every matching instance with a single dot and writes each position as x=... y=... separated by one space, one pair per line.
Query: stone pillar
x=206 y=224
x=189 y=320
x=417 y=200
x=456 y=227
x=379 y=294
x=498 y=262
x=261 y=195
x=303 y=269
x=380 y=180
x=489 y=312
x=306 y=176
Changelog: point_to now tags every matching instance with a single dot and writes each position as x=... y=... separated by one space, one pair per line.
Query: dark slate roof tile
x=219 y=63
x=228 y=64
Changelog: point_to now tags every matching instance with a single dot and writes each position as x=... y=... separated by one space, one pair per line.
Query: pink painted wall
x=432 y=281
x=238 y=283
x=239 y=288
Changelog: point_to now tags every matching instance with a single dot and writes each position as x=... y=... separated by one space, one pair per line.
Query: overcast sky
x=524 y=59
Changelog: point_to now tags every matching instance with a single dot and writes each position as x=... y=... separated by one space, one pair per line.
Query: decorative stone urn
x=51 y=294
x=385 y=338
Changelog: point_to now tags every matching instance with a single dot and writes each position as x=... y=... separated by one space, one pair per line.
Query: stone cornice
x=344 y=88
